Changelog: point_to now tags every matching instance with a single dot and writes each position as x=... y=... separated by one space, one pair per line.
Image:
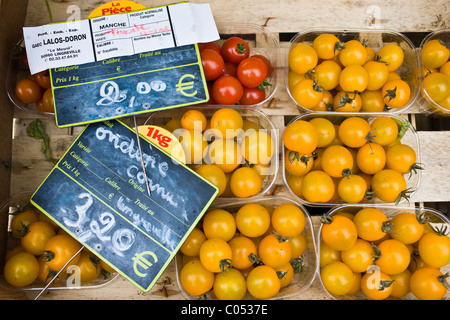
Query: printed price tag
x=109 y=36
x=127 y=79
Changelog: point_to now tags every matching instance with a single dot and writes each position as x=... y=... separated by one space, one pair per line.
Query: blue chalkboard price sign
x=98 y=193
x=128 y=85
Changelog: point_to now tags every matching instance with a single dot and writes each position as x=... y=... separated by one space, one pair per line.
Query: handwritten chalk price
x=121 y=240
x=110 y=92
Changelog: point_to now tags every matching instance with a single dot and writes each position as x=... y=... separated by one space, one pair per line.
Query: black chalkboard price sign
x=97 y=192
x=129 y=85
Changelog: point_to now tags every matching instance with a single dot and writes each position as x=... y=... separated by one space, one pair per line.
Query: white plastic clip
x=374 y=17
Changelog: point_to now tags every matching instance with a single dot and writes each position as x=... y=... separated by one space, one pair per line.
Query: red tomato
x=211 y=100
x=252 y=96
x=43 y=79
x=46 y=104
x=28 y=91
x=24 y=61
x=210 y=45
x=229 y=69
x=227 y=90
x=265 y=60
x=235 y=49
x=252 y=72
x=212 y=63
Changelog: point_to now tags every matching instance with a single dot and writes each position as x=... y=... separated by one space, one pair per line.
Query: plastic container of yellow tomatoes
x=352 y=71
x=352 y=159
x=400 y=238
x=235 y=148
x=17 y=209
x=303 y=252
x=434 y=60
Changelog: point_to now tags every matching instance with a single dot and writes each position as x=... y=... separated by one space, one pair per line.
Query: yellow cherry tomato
x=337 y=278
x=339 y=232
x=318 y=187
x=392 y=256
x=303 y=58
x=263 y=282
x=219 y=223
x=354 y=78
x=354 y=52
x=325 y=129
x=258 y=147
x=376 y=285
x=21 y=221
x=288 y=220
x=191 y=246
x=21 y=269
x=396 y=93
x=434 y=54
x=392 y=55
x=327 y=45
x=378 y=74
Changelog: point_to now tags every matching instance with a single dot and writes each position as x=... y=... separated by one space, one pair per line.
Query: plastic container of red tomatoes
x=372 y=38
x=441 y=107
x=409 y=137
x=17 y=70
x=302 y=280
x=436 y=220
x=14 y=204
x=161 y=118
x=260 y=42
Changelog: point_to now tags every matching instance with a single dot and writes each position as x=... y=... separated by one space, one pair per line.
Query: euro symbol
x=118 y=69
x=140 y=261
x=181 y=86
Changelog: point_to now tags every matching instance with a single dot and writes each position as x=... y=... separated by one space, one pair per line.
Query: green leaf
x=403 y=127
x=37 y=131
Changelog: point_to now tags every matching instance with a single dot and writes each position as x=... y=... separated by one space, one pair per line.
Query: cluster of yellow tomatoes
x=351 y=161
x=43 y=249
x=256 y=249
x=435 y=59
x=331 y=75
x=233 y=153
x=367 y=252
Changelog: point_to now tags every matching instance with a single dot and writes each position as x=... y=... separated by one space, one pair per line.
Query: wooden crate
x=28 y=166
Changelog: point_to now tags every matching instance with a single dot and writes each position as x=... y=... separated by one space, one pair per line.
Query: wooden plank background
x=283 y=18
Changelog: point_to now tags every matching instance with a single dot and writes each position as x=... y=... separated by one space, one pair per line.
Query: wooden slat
x=435 y=159
x=290 y=16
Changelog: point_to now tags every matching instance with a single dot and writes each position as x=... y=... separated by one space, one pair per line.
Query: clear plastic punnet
x=408 y=135
x=375 y=39
x=302 y=280
x=441 y=107
x=14 y=205
x=254 y=121
x=436 y=220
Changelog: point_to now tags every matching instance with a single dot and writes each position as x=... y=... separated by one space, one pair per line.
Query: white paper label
x=66 y=44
